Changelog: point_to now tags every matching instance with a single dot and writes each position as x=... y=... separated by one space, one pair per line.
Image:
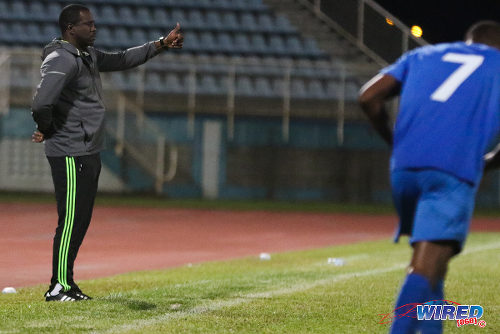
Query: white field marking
x=239 y=300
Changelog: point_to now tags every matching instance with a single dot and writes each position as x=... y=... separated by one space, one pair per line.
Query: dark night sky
x=443 y=20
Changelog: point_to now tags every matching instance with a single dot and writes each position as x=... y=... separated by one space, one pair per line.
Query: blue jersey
x=449 y=108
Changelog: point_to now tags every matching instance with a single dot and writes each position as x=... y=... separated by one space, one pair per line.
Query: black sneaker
x=79 y=294
x=57 y=294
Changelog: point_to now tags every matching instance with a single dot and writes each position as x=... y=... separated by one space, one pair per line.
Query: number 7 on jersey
x=470 y=63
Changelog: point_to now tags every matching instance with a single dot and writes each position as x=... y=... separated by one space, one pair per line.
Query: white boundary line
x=239 y=300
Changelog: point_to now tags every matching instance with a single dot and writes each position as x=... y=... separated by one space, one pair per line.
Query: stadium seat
x=154 y=82
x=207 y=85
x=125 y=15
x=248 y=22
x=243 y=86
x=108 y=15
x=298 y=88
x=230 y=21
x=18 y=10
x=4 y=10
x=54 y=10
x=196 y=20
x=213 y=21
x=315 y=89
x=225 y=43
x=160 y=17
x=265 y=22
x=173 y=84
x=258 y=44
x=263 y=87
x=277 y=46
x=36 y=11
x=241 y=43
x=144 y=16
x=139 y=37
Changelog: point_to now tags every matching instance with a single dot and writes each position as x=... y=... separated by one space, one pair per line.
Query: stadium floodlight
x=416 y=31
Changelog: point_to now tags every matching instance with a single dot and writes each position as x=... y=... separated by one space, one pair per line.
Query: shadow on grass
x=137 y=305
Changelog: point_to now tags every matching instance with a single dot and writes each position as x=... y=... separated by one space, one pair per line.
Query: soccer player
x=69 y=113
x=449 y=114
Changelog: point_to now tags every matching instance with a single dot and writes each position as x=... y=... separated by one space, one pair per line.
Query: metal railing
x=364 y=24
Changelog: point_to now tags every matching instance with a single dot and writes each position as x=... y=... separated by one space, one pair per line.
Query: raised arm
x=372 y=99
x=118 y=61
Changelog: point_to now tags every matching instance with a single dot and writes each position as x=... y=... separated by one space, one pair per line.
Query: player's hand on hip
x=37 y=137
x=174 y=39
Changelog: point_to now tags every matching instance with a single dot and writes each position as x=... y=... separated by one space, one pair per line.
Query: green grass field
x=294 y=292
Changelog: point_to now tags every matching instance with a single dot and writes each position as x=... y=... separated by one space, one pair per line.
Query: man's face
x=84 y=31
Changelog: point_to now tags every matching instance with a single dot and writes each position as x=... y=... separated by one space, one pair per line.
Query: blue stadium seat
x=139 y=37
x=276 y=44
x=225 y=43
x=125 y=15
x=104 y=37
x=36 y=11
x=207 y=85
x=173 y=84
x=121 y=38
x=50 y=31
x=282 y=24
x=298 y=88
x=54 y=10
x=5 y=35
x=4 y=10
x=18 y=10
x=154 y=82
x=333 y=89
x=107 y=14
x=207 y=42
x=244 y=86
x=258 y=44
x=21 y=35
x=160 y=17
x=177 y=15
x=144 y=17
x=33 y=31
x=248 y=22
x=263 y=87
x=278 y=87
x=265 y=22
x=213 y=21
x=241 y=43
x=294 y=46
x=230 y=21
x=196 y=20
x=315 y=89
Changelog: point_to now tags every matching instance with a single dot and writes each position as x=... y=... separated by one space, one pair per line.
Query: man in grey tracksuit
x=69 y=112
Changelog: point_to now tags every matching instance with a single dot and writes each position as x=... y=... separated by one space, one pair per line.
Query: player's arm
x=123 y=60
x=372 y=99
x=56 y=71
x=492 y=159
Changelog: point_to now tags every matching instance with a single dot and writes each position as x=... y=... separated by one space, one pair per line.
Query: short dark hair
x=70 y=15
x=485 y=32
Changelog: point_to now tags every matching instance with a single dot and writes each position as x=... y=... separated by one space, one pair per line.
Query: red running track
x=122 y=239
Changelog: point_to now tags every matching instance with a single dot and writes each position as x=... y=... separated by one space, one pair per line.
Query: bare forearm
x=380 y=120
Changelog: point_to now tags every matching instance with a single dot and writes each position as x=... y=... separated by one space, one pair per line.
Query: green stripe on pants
x=68 y=222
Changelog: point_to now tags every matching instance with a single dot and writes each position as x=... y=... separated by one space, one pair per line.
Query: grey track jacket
x=68 y=106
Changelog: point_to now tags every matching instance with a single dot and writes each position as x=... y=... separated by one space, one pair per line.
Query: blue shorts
x=432 y=205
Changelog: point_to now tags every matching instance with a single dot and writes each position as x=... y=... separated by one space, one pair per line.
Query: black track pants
x=75 y=182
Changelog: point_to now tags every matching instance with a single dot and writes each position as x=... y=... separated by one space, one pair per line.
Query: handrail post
x=160 y=164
